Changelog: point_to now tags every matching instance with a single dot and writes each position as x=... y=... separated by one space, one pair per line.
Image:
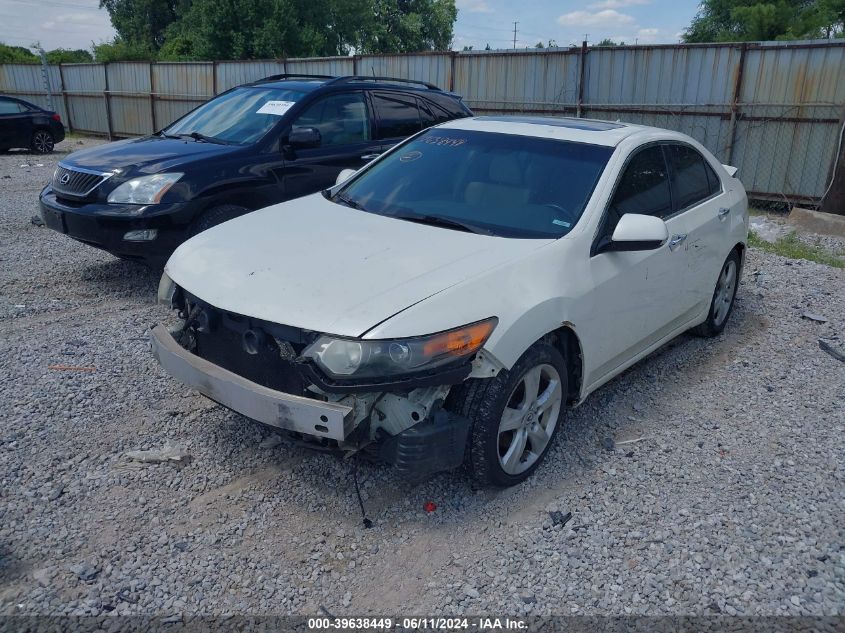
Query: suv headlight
x=358 y=358
x=144 y=190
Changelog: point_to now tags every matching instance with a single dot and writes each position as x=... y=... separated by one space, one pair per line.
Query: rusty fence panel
x=773 y=109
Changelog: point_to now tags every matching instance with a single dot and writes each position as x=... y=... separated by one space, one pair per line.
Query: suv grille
x=75 y=182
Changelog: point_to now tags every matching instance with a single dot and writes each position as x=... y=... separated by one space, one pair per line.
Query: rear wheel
x=42 y=142
x=722 y=303
x=214 y=216
x=514 y=416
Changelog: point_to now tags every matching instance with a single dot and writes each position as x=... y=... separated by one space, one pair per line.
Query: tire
x=722 y=303
x=42 y=142
x=214 y=216
x=494 y=456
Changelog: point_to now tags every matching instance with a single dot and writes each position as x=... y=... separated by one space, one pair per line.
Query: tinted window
x=235 y=116
x=644 y=187
x=690 y=181
x=513 y=186
x=398 y=115
x=9 y=107
x=340 y=118
x=431 y=114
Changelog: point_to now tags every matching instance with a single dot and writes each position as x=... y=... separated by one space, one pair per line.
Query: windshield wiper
x=348 y=202
x=447 y=223
x=166 y=135
x=203 y=138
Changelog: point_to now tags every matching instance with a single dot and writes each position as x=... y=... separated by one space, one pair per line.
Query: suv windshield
x=498 y=184
x=236 y=116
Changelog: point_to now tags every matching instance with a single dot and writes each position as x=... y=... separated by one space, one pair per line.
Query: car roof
x=593 y=131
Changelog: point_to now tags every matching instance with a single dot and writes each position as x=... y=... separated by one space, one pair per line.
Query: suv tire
x=214 y=216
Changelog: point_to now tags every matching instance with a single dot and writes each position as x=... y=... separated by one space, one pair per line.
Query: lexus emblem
x=65 y=179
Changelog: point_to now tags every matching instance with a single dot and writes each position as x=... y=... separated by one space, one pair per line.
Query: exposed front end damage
x=257 y=369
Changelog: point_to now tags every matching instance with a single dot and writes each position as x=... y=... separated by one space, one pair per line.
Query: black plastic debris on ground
x=559 y=518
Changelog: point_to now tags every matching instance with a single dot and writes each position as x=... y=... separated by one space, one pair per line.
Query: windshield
x=499 y=184
x=242 y=115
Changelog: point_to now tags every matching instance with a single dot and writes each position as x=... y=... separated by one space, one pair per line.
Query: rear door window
x=9 y=107
x=398 y=115
x=691 y=182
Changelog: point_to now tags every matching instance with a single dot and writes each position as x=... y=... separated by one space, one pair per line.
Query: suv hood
x=320 y=266
x=148 y=155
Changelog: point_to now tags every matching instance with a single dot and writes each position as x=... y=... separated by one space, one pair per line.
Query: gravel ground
x=724 y=491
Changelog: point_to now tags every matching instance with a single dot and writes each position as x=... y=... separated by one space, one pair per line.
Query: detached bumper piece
x=435 y=445
x=276 y=408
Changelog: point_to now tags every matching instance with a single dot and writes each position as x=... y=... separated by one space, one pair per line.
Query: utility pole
x=514 y=35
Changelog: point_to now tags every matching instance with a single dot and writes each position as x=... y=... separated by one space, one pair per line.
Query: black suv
x=276 y=139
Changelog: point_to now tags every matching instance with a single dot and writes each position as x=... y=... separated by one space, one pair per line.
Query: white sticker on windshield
x=275 y=107
x=561 y=223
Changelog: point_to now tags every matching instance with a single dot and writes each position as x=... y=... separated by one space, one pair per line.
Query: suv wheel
x=214 y=216
x=42 y=142
x=514 y=416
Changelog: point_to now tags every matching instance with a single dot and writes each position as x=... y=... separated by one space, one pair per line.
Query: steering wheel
x=568 y=215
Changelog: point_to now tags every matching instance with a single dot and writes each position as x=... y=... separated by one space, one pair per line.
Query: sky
x=78 y=23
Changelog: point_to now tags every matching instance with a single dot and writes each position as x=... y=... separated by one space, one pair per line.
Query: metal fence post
x=740 y=71
x=582 y=61
x=214 y=77
x=64 y=99
x=106 y=100
x=453 y=56
x=152 y=98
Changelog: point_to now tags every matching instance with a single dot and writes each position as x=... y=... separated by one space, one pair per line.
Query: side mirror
x=636 y=232
x=343 y=176
x=304 y=138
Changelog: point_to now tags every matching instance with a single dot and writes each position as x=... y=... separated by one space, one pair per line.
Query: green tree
x=607 y=42
x=143 y=22
x=16 y=55
x=68 y=56
x=119 y=50
x=539 y=45
x=407 y=26
x=750 y=20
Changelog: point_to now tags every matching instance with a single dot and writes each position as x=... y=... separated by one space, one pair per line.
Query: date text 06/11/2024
x=416 y=624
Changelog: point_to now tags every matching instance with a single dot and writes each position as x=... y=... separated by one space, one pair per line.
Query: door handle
x=370 y=156
x=723 y=213
x=676 y=241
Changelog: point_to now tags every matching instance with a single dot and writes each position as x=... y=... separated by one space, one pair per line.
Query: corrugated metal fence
x=772 y=109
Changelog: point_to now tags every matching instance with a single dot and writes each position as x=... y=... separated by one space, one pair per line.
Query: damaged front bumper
x=276 y=408
x=411 y=431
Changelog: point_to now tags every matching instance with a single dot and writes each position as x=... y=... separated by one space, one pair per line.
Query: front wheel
x=42 y=142
x=214 y=216
x=514 y=416
x=722 y=303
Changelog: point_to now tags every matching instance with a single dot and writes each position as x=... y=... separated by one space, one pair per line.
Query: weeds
x=793 y=248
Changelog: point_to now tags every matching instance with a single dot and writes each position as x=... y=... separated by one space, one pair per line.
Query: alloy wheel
x=529 y=419
x=724 y=292
x=43 y=142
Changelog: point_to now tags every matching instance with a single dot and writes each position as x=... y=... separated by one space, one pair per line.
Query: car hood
x=316 y=265
x=148 y=155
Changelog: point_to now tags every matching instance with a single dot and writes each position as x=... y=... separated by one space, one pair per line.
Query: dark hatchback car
x=255 y=145
x=25 y=125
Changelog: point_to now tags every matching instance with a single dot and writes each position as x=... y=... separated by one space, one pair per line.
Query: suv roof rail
x=295 y=76
x=350 y=78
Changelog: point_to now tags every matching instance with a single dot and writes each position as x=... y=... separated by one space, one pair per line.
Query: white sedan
x=445 y=304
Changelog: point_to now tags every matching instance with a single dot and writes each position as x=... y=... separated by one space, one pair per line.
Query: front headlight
x=144 y=190
x=358 y=358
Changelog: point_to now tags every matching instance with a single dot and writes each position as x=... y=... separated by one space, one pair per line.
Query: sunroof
x=575 y=124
